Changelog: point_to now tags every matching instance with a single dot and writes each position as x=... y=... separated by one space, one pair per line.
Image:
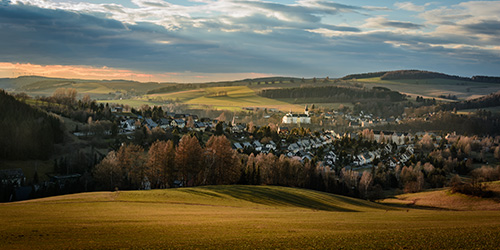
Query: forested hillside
x=333 y=93
x=26 y=132
x=419 y=74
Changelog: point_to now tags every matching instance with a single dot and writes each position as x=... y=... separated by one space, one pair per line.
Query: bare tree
x=188 y=159
x=365 y=183
x=160 y=166
x=107 y=173
x=221 y=162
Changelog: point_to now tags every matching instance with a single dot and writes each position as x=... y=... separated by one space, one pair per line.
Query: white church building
x=291 y=118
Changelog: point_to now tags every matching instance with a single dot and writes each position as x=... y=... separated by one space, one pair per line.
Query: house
x=164 y=123
x=237 y=146
x=150 y=123
x=257 y=144
x=294 y=147
x=354 y=124
x=271 y=146
x=178 y=123
x=200 y=126
x=238 y=128
x=195 y=117
x=13 y=177
x=65 y=180
x=128 y=125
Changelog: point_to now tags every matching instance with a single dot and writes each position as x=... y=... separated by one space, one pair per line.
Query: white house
x=178 y=123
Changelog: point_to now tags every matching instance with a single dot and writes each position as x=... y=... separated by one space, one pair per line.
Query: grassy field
x=432 y=88
x=443 y=199
x=236 y=217
x=236 y=98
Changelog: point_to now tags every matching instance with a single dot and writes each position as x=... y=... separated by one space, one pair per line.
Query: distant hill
x=419 y=74
x=45 y=86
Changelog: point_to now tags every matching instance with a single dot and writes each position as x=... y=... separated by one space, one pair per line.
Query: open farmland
x=234 y=98
x=236 y=217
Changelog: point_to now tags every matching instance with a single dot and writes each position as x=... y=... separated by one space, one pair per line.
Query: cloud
x=409 y=6
x=303 y=38
x=382 y=22
x=106 y=73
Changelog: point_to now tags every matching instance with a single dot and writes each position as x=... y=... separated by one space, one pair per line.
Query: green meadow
x=237 y=217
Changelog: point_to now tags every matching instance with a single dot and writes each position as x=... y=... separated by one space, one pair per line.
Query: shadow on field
x=276 y=196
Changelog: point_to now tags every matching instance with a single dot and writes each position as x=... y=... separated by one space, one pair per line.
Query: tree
x=365 y=183
x=65 y=95
x=188 y=159
x=221 y=162
x=131 y=162
x=160 y=166
x=219 y=128
x=86 y=99
x=107 y=173
x=190 y=122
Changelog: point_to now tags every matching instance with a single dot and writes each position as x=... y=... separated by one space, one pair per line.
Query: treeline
x=482 y=124
x=189 y=163
x=419 y=74
x=172 y=88
x=26 y=132
x=363 y=75
x=130 y=167
x=487 y=79
x=333 y=93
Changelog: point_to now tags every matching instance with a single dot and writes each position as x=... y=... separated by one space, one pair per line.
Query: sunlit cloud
x=12 y=70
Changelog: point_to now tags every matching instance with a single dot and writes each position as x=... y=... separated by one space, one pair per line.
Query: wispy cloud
x=409 y=6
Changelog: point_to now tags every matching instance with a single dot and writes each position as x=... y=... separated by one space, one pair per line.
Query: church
x=291 y=118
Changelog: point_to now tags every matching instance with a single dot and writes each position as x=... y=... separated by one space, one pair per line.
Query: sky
x=215 y=40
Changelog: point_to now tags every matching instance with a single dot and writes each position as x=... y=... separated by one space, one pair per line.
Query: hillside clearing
x=236 y=217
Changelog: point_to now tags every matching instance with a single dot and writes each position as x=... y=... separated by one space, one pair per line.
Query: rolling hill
x=236 y=217
x=443 y=199
x=43 y=86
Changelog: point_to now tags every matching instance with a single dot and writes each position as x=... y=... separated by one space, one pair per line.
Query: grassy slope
x=229 y=217
x=443 y=199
